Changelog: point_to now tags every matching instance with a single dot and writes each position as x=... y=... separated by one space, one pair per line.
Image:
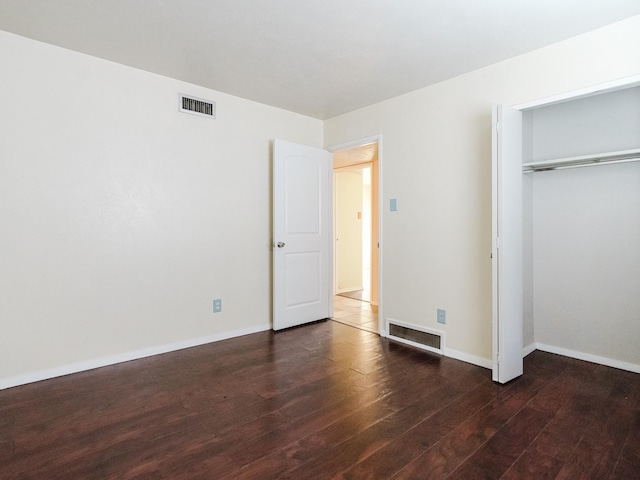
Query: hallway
x=355 y=313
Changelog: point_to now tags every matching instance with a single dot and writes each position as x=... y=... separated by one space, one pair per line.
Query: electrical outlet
x=442 y=316
x=217 y=305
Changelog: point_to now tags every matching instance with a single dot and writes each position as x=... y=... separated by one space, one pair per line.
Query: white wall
x=119 y=226
x=121 y=218
x=595 y=124
x=586 y=250
x=437 y=163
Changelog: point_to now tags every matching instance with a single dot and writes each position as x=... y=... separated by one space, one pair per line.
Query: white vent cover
x=197 y=106
x=421 y=337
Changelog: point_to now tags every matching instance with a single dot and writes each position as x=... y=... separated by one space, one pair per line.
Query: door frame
x=357 y=143
x=619 y=84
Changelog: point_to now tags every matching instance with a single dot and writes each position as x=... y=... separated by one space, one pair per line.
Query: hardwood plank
x=561 y=436
x=316 y=446
x=628 y=464
x=341 y=455
x=495 y=457
x=597 y=453
x=441 y=414
x=322 y=401
x=533 y=465
x=446 y=455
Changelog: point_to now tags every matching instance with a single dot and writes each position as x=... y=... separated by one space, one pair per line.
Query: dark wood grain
x=324 y=401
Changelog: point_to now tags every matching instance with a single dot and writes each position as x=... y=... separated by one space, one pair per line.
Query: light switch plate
x=393 y=205
x=217 y=305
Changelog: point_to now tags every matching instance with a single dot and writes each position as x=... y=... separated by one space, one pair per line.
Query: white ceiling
x=316 y=57
x=356 y=155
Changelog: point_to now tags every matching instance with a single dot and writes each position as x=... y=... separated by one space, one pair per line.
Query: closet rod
x=577 y=165
x=576 y=162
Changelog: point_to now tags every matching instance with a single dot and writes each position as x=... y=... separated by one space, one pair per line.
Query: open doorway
x=352 y=220
x=356 y=236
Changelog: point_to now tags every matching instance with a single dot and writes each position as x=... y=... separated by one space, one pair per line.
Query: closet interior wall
x=581 y=230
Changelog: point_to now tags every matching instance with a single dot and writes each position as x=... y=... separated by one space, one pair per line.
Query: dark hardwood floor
x=323 y=401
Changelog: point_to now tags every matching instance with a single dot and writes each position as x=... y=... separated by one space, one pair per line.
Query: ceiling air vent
x=197 y=106
x=425 y=338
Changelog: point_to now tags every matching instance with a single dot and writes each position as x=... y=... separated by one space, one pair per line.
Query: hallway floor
x=355 y=313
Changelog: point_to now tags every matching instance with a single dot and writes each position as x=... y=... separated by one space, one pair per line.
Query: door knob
x=280 y=244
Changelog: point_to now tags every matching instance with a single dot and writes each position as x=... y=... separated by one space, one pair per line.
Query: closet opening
x=581 y=227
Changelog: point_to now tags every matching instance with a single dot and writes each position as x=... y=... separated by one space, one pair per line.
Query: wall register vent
x=197 y=106
x=420 y=337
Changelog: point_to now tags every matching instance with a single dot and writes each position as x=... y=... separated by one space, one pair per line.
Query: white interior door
x=507 y=243
x=302 y=232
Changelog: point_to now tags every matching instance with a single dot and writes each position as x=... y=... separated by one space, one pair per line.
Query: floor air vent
x=425 y=338
x=197 y=106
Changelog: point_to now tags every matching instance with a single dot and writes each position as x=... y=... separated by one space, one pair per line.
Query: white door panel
x=507 y=244
x=304 y=289
x=302 y=233
x=303 y=214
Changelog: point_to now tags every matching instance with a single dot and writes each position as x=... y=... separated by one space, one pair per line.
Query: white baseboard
x=123 y=357
x=348 y=289
x=147 y=352
x=528 y=349
x=465 y=357
x=609 y=362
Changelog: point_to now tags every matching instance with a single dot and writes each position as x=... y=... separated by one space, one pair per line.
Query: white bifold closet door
x=507 y=267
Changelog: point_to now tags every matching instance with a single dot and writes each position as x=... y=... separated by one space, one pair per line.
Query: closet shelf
x=621 y=156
